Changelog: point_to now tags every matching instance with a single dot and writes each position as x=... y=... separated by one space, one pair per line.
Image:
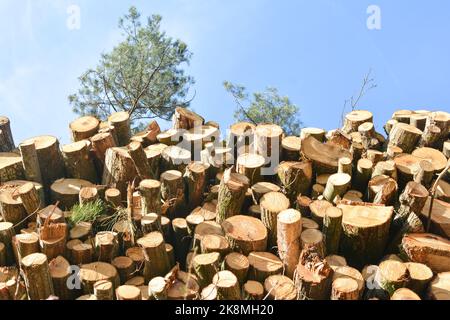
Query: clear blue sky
x=316 y=52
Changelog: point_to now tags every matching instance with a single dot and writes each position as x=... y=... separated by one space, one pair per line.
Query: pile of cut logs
x=346 y=214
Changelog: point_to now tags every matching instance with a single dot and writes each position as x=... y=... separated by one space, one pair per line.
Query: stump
x=404 y=294
x=233 y=187
x=6 y=236
x=238 y=264
x=420 y=275
x=103 y=290
x=30 y=198
x=437 y=159
x=382 y=190
x=127 y=292
x=139 y=157
x=53 y=239
x=295 y=178
x=121 y=123
x=241 y=137
x=100 y=143
x=318 y=209
x=313 y=238
x=352 y=273
x=181 y=240
x=206 y=265
x=365 y=231
x=106 y=246
x=38 y=280
x=125 y=267
x=25 y=244
x=262 y=265
x=272 y=204
x=289 y=228
x=245 y=234
x=279 y=287
x=439 y=288
x=186 y=119
x=261 y=188
x=362 y=174
x=175 y=158
x=12 y=210
x=214 y=243
x=268 y=140
x=227 y=286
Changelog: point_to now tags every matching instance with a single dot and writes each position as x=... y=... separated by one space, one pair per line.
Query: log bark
x=113 y=197
x=337 y=185
x=186 y=119
x=429 y=249
x=382 y=190
x=49 y=157
x=140 y=161
x=30 y=162
x=362 y=175
x=313 y=238
x=386 y=168
x=38 y=280
x=12 y=210
x=227 y=286
x=332 y=229
x=60 y=272
x=317 y=133
x=404 y=294
x=241 y=137
x=262 y=265
x=420 y=276
x=82 y=253
x=156 y=260
x=52 y=239
x=6 y=137
x=30 y=198
x=150 y=191
x=352 y=273
x=279 y=287
x=157 y=288
x=317 y=191
x=430 y=136
x=96 y=271
x=215 y=243
x=88 y=195
x=238 y=264
x=295 y=178
x=261 y=188
x=272 y=204
x=25 y=244
x=106 y=246
x=77 y=161
x=84 y=128
x=318 y=210
x=355 y=118
x=268 y=140
x=245 y=234
x=125 y=267
x=231 y=195
x=365 y=231
x=289 y=229
x=181 y=240
x=137 y=255
x=119 y=170
x=121 y=123
x=440 y=217
x=100 y=143
x=195 y=177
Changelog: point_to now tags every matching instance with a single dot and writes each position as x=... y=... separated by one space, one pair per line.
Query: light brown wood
x=60 y=271
x=272 y=204
x=420 y=276
x=352 y=273
x=262 y=265
x=173 y=193
x=404 y=136
x=30 y=162
x=261 y=188
x=37 y=276
x=227 y=285
x=238 y=264
x=253 y=290
x=355 y=118
x=313 y=238
x=186 y=119
x=289 y=229
x=156 y=259
x=245 y=234
x=279 y=287
x=439 y=288
x=175 y=158
x=440 y=216
x=127 y=292
x=382 y=190
x=344 y=288
x=11 y=167
x=291 y=146
x=295 y=178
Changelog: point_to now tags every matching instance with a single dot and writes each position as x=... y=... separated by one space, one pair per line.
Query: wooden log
x=125 y=267
x=309 y=224
x=337 y=185
x=440 y=219
x=233 y=187
x=313 y=276
x=382 y=190
x=404 y=294
x=11 y=167
x=121 y=123
x=290 y=148
x=195 y=178
x=2 y=255
x=150 y=191
x=389 y=125
x=119 y=169
x=253 y=290
x=103 y=290
x=336 y=261
x=181 y=240
x=374 y=155
x=154 y=156
x=30 y=198
x=59 y=269
x=175 y=158
x=446 y=149
x=386 y=168
x=38 y=279
x=352 y=273
x=365 y=231
x=24 y=244
x=186 y=119
x=261 y=188
x=77 y=161
x=170 y=137
x=272 y=204
x=245 y=234
x=50 y=159
x=150 y=222
x=393 y=275
x=317 y=133
x=289 y=228
x=6 y=137
x=344 y=289
x=295 y=178
x=268 y=140
x=84 y=128
x=100 y=143
x=30 y=162
x=66 y=191
x=203 y=229
x=157 y=288
x=345 y=166
x=173 y=193
x=325 y=156
x=82 y=253
x=214 y=243
x=439 y=288
x=193 y=220
x=262 y=265
x=302 y=205
x=318 y=210
x=206 y=265
x=313 y=238
x=12 y=210
x=317 y=191
x=429 y=249
x=87 y=195
x=430 y=136
x=332 y=229
x=196 y=138
x=139 y=158
x=227 y=286
x=402 y=116
x=420 y=276
x=238 y=264
x=437 y=159
x=355 y=118
x=53 y=239
x=82 y=230
x=279 y=287
x=156 y=260
x=250 y=165
x=393 y=151
x=6 y=236
x=405 y=136
x=184 y=287
x=106 y=246
x=126 y=292
x=96 y=271
x=113 y=197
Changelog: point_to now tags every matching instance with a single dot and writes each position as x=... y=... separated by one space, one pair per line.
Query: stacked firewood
x=346 y=214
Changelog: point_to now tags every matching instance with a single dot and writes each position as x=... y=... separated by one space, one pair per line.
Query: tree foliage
x=265 y=107
x=142 y=75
